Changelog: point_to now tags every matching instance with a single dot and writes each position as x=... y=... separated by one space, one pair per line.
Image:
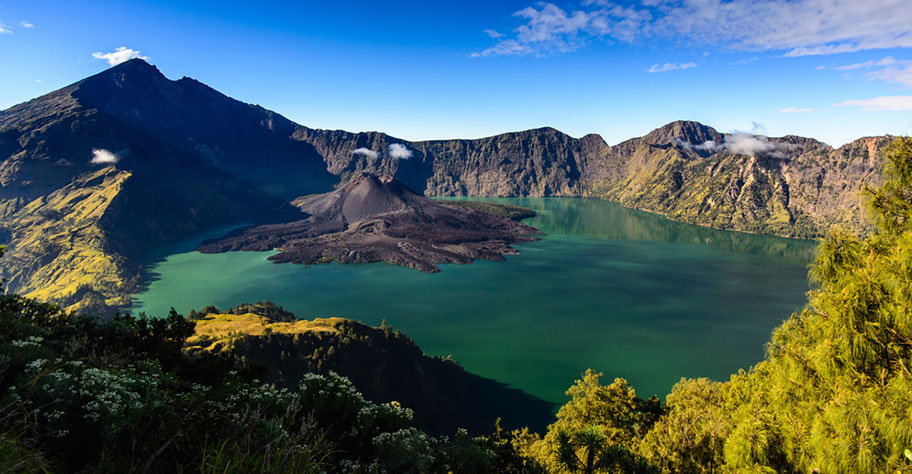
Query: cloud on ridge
x=120 y=55
x=398 y=151
x=100 y=156
x=745 y=143
x=368 y=153
x=753 y=143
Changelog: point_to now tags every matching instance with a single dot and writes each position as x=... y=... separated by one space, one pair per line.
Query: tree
x=599 y=426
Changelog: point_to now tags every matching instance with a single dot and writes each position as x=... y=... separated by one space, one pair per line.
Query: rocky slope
x=384 y=364
x=788 y=186
x=377 y=218
x=94 y=175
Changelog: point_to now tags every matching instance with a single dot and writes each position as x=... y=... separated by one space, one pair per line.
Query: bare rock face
x=789 y=186
x=377 y=218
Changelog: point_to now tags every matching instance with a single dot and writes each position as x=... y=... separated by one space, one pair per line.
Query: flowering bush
x=83 y=394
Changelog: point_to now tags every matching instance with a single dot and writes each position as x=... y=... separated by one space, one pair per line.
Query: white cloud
x=493 y=33
x=887 y=61
x=888 y=69
x=100 y=156
x=753 y=145
x=120 y=55
x=368 y=153
x=886 y=103
x=671 y=67
x=549 y=29
x=743 y=143
x=505 y=48
x=792 y=110
x=794 y=27
x=747 y=60
x=398 y=151
x=709 y=145
x=26 y=24
x=899 y=74
x=5 y=29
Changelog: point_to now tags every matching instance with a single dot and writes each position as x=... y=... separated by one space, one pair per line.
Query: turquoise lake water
x=624 y=292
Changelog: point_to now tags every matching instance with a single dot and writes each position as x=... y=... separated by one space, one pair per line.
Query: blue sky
x=831 y=69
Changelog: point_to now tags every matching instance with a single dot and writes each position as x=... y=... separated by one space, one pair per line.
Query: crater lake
x=624 y=292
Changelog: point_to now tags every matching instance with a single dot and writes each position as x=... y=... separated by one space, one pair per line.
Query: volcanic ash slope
x=377 y=218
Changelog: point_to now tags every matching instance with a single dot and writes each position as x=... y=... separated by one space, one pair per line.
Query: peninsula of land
x=377 y=218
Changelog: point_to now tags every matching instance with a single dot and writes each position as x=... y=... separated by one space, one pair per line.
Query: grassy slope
x=60 y=250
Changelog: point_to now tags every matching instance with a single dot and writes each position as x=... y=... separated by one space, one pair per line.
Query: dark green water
x=624 y=292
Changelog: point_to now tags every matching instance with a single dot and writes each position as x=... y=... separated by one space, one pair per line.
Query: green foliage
x=690 y=437
x=81 y=394
x=598 y=428
x=834 y=394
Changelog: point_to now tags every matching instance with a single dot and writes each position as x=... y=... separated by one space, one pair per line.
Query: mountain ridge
x=187 y=158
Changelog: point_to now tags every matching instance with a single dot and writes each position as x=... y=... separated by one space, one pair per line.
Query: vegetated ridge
x=384 y=365
x=95 y=174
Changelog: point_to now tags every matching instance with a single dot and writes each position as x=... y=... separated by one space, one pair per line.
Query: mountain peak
x=134 y=64
x=687 y=131
x=132 y=70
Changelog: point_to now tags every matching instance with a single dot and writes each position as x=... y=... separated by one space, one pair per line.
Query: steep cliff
x=789 y=186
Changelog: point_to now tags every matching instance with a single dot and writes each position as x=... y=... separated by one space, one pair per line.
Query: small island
x=377 y=218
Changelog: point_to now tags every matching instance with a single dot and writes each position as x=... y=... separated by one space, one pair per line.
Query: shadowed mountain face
x=379 y=219
x=95 y=174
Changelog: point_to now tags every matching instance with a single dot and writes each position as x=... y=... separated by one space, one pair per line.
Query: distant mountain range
x=97 y=173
